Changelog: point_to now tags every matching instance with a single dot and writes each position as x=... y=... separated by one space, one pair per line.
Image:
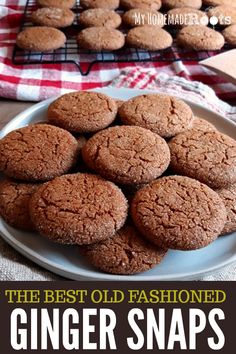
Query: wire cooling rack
x=85 y=59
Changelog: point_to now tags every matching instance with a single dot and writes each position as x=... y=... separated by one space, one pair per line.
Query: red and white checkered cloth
x=41 y=81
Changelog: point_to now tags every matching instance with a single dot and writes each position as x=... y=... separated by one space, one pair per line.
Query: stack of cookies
x=109 y=25
x=124 y=181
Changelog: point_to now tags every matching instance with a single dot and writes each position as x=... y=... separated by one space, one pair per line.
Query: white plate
x=66 y=261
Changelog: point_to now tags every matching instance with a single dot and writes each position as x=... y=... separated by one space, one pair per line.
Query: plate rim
x=61 y=270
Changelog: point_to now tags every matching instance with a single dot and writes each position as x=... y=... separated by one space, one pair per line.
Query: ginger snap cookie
x=187 y=16
x=100 y=17
x=100 y=38
x=226 y=15
x=103 y=4
x=172 y=4
x=53 y=17
x=141 y=4
x=228 y=195
x=126 y=253
x=127 y=154
x=179 y=213
x=40 y=38
x=82 y=111
x=37 y=152
x=229 y=34
x=219 y=2
x=78 y=209
x=202 y=125
x=142 y=17
x=149 y=38
x=14 y=203
x=164 y=115
x=64 y=4
x=209 y=157
x=199 y=37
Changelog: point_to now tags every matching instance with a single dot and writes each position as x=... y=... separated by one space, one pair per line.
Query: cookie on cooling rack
x=53 y=17
x=65 y=4
x=99 y=18
x=102 y=4
x=100 y=38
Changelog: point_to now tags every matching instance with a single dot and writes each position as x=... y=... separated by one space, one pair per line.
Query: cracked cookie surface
x=64 y=4
x=100 y=17
x=199 y=37
x=179 y=213
x=54 y=17
x=78 y=209
x=37 y=152
x=141 y=4
x=127 y=252
x=82 y=112
x=141 y=17
x=164 y=115
x=173 y=4
x=127 y=154
x=100 y=38
x=14 y=203
x=202 y=125
x=228 y=195
x=103 y=4
x=210 y=157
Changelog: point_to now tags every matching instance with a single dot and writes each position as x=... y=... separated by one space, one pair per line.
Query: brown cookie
x=14 y=203
x=179 y=213
x=149 y=38
x=209 y=157
x=229 y=34
x=226 y=15
x=141 y=17
x=187 y=16
x=64 y=4
x=228 y=195
x=99 y=17
x=37 y=152
x=200 y=38
x=172 y=4
x=78 y=209
x=103 y=4
x=127 y=154
x=40 y=39
x=82 y=111
x=119 y=103
x=125 y=253
x=53 y=17
x=219 y=2
x=202 y=125
x=141 y=4
x=100 y=38
x=164 y=115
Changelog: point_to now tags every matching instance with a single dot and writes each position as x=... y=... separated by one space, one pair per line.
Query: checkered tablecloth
x=38 y=82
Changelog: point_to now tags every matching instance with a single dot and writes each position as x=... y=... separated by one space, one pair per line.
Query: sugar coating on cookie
x=103 y=4
x=187 y=16
x=228 y=195
x=179 y=213
x=202 y=125
x=127 y=154
x=82 y=111
x=199 y=37
x=126 y=253
x=229 y=34
x=40 y=38
x=78 y=209
x=141 y=17
x=226 y=15
x=100 y=38
x=64 y=4
x=141 y=4
x=37 y=152
x=209 y=157
x=172 y=4
x=14 y=203
x=53 y=17
x=164 y=115
x=100 y=17
x=149 y=38
x=219 y=2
